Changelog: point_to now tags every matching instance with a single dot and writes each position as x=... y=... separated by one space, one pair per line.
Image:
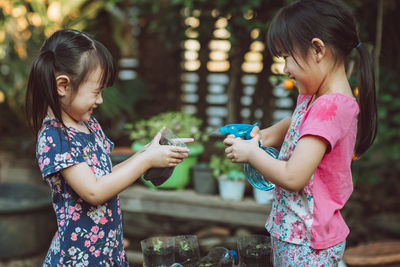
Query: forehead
x=94 y=77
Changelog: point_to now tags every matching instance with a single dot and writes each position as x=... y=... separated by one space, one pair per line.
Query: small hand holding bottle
x=239 y=150
x=166 y=155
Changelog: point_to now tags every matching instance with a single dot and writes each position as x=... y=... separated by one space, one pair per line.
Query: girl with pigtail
x=65 y=85
x=313 y=171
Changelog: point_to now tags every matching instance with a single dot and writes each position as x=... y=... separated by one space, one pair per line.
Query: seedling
x=184 y=245
x=157 y=245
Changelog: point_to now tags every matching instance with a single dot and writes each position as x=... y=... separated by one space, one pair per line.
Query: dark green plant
x=24 y=25
x=180 y=123
x=221 y=165
x=380 y=163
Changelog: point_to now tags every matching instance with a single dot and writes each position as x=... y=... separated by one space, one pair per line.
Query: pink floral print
x=292 y=255
x=87 y=235
x=326 y=110
x=289 y=219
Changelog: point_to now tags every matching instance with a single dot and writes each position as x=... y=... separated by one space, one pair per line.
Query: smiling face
x=78 y=106
x=305 y=72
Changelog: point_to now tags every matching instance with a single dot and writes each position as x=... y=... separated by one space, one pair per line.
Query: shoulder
x=94 y=124
x=55 y=138
x=51 y=129
x=332 y=105
x=331 y=116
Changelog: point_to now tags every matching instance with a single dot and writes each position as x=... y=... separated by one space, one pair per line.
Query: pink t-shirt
x=311 y=216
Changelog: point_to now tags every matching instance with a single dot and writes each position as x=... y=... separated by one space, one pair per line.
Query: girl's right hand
x=256 y=131
x=166 y=156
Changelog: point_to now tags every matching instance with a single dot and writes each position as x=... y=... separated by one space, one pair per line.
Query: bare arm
x=275 y=134
x=128 y=160
x=293 y=174
x=96 y=191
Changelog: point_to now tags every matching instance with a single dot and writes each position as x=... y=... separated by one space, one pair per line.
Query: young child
x=312 y=174
x=65 y=86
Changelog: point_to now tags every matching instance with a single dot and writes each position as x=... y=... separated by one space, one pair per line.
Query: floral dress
x=87 y=235
x=306 y=226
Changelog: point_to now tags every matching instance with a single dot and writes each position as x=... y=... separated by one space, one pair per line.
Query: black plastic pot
x=203 y=179
x=27 y=221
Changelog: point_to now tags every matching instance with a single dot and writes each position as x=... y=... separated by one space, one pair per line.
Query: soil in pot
x=255 y=257
x=187 y=258
x=187 y=250
x=154 y=258
x=254 y=251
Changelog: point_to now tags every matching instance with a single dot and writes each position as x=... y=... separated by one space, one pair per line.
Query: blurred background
x=208 y=59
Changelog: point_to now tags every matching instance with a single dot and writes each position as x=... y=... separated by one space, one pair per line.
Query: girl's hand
x=256 y=131
x=239 y=150
x=166 y=156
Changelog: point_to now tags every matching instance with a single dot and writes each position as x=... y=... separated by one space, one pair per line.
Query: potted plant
x=203 y=180
x=263 y=197
x=254 y=250
x=230 y=176
x=158 y=251
x=187 y=250
x=182 y=125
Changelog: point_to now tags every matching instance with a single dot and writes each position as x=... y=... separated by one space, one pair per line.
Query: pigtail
x=41 y=92
x=368 y=118
x=68 y=52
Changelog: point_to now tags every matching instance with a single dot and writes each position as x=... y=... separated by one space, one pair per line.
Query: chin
x=86 y=118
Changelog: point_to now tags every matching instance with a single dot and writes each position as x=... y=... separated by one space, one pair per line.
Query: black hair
x=68 y=52
x=295 y=25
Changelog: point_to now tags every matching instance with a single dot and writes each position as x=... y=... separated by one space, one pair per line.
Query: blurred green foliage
x=24 y=25
x=181 y=124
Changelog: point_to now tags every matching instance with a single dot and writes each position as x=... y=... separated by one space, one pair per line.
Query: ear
x=63 y=83
x=318 y=48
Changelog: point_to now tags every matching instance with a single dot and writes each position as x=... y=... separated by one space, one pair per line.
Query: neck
x=335 y=82
x=69 y=121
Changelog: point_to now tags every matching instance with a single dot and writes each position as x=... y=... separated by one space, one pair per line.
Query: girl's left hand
x=166 y=155
x=239 y=150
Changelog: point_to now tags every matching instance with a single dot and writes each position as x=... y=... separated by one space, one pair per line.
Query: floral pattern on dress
x=292 y=255
x=291 y=214
x=86 y=235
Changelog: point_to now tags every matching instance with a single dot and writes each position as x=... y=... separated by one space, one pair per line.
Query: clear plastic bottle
x=158 y=176
x=219 y=257
x=255 y=178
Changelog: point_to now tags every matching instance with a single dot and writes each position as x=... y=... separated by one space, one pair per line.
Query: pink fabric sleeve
x=327 y=118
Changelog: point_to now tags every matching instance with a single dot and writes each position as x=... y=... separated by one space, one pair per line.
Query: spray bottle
x=255 y=178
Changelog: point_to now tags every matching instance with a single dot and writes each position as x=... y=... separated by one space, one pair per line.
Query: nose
x=99 y=99
x=285 y=69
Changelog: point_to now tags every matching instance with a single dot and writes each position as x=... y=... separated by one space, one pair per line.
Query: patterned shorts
x=292 y=255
